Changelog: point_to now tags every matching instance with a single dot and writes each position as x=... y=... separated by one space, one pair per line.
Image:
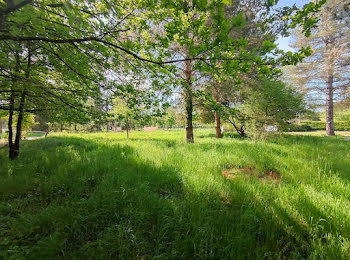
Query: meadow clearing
x=103 y=196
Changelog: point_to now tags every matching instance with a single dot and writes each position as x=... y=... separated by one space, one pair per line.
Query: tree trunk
x=11 y=112
x=218 y=125
x=127 y=127
x=239 y=130
x=19 y=124
x=329 y=109
x=10 y=137
x=21 y=110
x=188 y=102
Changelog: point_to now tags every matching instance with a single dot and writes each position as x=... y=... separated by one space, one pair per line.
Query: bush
x=317 y=125
x=297 y=128
x=338 y=125
x=232 y=135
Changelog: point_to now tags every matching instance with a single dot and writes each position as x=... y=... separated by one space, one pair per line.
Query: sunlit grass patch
x=154 y=196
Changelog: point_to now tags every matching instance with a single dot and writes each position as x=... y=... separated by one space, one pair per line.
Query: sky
x=284 y=41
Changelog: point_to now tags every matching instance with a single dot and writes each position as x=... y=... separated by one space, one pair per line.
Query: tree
x=198 y=34
x=123 y=115
x=56 y=57
x=168 y=120
x=271 y=103
x=255 y=105
x=326 y=71
x=255 y=13
x=136 y=102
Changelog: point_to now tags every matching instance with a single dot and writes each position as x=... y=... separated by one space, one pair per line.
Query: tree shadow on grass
x=74 y=198
x=80 y=190
x=296 y=228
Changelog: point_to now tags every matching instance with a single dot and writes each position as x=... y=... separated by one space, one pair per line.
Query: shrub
x=317 y=125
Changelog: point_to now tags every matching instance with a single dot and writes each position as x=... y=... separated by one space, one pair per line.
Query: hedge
x=317 y=125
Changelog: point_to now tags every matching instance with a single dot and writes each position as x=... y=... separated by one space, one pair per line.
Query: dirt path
x=3 y=142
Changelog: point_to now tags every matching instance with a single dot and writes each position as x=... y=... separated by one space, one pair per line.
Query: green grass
x=101 y=196
x=30 y=134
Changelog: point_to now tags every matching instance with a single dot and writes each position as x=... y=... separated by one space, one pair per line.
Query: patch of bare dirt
x=238 y=172
x=272 y=176
x=246 y=172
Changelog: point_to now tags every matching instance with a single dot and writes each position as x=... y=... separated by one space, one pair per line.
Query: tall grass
x=154 y=196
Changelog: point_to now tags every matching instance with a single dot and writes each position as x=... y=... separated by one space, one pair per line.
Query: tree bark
x=188 y=102
x=11 y=112
x=127 y=127
x=218 y=125
x=19 y=124
x=329 y=109
x=239 y=130
x=21 y=111
x=10 y=120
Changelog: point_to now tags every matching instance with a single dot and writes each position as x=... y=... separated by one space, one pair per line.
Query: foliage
x=60 y=60
x=297 y=128
x=272 y=104
x=136 y=103
x=344 y=116
x=318 y=125
x=324 y=74
x=256 y=105
x=28 y=120
x=342 y=111
x=123 y=115
x=171 y=119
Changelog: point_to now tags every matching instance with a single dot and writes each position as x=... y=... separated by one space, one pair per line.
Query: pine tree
x=326 y=72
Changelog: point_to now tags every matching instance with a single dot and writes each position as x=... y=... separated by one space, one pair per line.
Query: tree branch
x=96 y=39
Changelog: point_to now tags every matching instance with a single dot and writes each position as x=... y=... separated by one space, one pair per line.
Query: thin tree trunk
x=239 y=130
x=127 y=127
x=21 y=110
x=188 y=102
x=11 y=112
x=329 y=88
x=10 y=120
x=329 y=109
x=19 y=124
x=218 y=125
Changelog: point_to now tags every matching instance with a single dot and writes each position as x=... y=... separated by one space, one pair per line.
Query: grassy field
x=102 y=196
